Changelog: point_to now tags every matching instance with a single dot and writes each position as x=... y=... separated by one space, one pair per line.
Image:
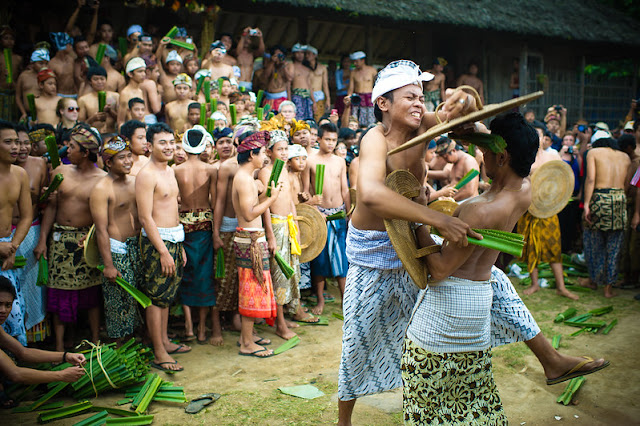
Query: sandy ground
x=250 y=395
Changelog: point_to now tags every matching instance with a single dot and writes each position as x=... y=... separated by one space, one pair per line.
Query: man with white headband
x=168 y=73
x=215 y=62
x=28 y=80
x=197 y=184
x=319 y=82
x=361 y=84
x=136 y=73
x=373 y=333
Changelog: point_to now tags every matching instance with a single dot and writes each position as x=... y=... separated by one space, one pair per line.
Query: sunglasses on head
x=71 y=109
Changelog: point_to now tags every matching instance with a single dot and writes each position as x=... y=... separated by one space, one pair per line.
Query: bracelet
x=64 y=356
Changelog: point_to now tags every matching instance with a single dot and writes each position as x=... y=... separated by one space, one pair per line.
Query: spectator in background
x=569 y=217
x=342 y=76
x=471 y=79
x=631 y=245
x=556 y=121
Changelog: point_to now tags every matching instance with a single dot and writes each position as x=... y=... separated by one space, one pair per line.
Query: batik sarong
x=160 y=289
x=14 y=324
x=67 y=267
x=364 y=111
x=321 y=105
x=198 y=283
x=255 y=288
x=332 y=260
x=449 y=388
x=542 y=240
x=608 y=209
x=304 y=104
x=34 y=296
x=305 y=276
x=227 y=287
x=285 y=289
x=432 y=100
x=121 y=314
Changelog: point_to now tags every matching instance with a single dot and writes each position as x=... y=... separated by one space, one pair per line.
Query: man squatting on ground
x=373 y=331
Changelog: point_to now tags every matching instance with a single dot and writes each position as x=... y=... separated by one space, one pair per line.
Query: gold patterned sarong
x=608 y=209
x=196 y=220
x=542 y=240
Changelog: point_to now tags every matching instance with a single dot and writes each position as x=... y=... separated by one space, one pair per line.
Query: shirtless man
x=144 y=46
x=167 y=76
x=319 y=83
x=462 y=163
x=250 y=47
x=197 y=184
x=223 y=143
x=177 y=110
x=161 y=248
x=136 y=133
x=301 y=135
x=115 y=214
x=104 y=121
x=105 y=36
x=63 y=64
x=136 y=72
x=47 y=102
x=276 y=77
x=15 y=183
x=471 y=79
x=605 y=212
x=361 y=83
x=81 y=64
x=255 y=289
x=72 y=283
x=28 y=80
x=8 y=41
x=434 y=89
x=227 y=41
x=335 y=199
x=301 y=93
x=137 y=110
x=543 y=242
x=216 y=65
x=115 y=81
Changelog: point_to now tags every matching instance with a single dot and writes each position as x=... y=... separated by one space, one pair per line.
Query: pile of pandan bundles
x=570 y=270
x=123 y=369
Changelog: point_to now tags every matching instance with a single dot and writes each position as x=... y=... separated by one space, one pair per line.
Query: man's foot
x=255 y=350
x=188 y=338
x=571 y=367
x=532 y=289
x=586 y=283
x=608 y=292
x=172 y=348
x=202 y=333
x=166 y=363
x=317 y=310
x=567 y=293
x=306 y=317
x=291 y=324
x=286 y=334
x=216 y=341
x=6 y=402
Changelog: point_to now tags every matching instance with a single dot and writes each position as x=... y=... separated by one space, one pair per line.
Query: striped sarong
x=34 y=297
x=14 y=324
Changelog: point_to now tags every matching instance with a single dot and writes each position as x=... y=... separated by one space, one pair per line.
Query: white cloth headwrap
x=277 y=136
x=173 y=56
x=219 y=116
x=357 y=55
x=205 y=139
x=296 y=150
x=135 y=63
x=396 y=75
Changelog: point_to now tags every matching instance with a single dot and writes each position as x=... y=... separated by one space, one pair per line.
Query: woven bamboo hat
x=352 y=195
x=400 y=233
x=445 y=205
x=313 y=232
x=91 y=252
x=551 y=188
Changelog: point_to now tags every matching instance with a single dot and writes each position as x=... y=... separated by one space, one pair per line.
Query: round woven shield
x=551 y=188
x=91 y=252
x=313 y=231
x=446 y=206
x=400 y=233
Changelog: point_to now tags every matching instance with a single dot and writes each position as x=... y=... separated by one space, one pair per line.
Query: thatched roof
x=582 y=20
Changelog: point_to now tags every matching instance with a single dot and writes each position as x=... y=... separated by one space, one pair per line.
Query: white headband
x=396 y=75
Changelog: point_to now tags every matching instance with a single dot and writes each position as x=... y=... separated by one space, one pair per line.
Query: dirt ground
x=249 y=386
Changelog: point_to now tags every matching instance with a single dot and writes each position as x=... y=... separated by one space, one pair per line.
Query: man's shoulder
x=18 y=171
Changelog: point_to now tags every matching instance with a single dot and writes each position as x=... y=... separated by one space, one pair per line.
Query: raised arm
x=91 y=32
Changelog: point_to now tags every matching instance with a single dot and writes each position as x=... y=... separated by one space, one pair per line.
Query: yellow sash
x=293 y=233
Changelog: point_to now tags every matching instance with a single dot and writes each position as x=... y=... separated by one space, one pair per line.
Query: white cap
x=202 y=73
x=219 y=116
x=298 y=48
x=311 y=49
x=173 y=56
x=135 y=63
x=357 y=55
x=296 y=150
x=600 y=134
x=396 y=75
x=233 y=81
x=195 y=140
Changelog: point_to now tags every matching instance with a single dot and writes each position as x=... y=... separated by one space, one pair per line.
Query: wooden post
x=370 y=51
x=523 y=70
x=581 y=107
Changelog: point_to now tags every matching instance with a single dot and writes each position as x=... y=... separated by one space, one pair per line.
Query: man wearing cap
x=144 y=46
x=117 y=232
x=276 y=76
x=215 y=64
x=462 y=164
x=177 y=110
x=361 y=83
x=73 y=285
x=434 y=89
x=132 y=35
x=197 y=185
x=63 y=64
x=135 y=70
x=27 y=82
x=173 y=67
x=319 y=82
x=46 y=103
x=105 y=120
x=161 y=246
x=301 y=94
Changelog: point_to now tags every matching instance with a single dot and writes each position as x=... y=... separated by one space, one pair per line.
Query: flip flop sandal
x=575 y=371
x=189 y=338
x=178 y=351
x=196 y=405
x=254 y=353
x=159 y=366
x=262 y=341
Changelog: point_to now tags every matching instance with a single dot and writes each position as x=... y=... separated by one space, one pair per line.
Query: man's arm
x=91 y=32
x=344 y=187
x=48 y=218
x=306 y=176
x=123 y=106
x=589 y=185
x=20 y=96
x=635 y=220
x=219 y=204
x=153 y=98
x=249 y=211
x=25 y=207
x=74 y=17
x=325 y=87
x=99 y=205
x=352 y=84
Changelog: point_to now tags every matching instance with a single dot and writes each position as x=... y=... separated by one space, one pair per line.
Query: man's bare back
x=610 y=167
x=197 y=182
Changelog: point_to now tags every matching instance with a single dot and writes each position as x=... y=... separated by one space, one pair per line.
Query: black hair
x=521 y=138
x=7 y=287
x=377 y=112
x=346 y=133
x=78 y=39
x=279 y=47
x=96 y=71
x=128 y=129
x=65 y=135
x=156 y=128
x=245 y=157
x=225 y=78
x=636 y=124
x=4 y=124
x=605 y=143
x=312 y=124
x=194 y=105
x=134 y=101
x=539 y=125
x=105 y=22
x=20 y=127
x=327 y=127
x=627 y=141
x=45 y=126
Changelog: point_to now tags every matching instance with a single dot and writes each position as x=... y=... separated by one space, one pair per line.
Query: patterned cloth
x=304 y=105
x=377 y=305
x=305 y=276
x=452 y=315
x=332 y=260
x=198 y=282
x=196 y=220
x=364 y=111
x=286 y=289
x=608 y=209
x=67 y=303
x=67 y=268
x=227 y=287
x=274 y=99
x=432 y=100
x=160 y=289
x=602 y=253
x=255 y=289
x=35 y=298
x=542 y=240
x=371 y=249
x=449 y=388
x=121 y=312
x=14 y=325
